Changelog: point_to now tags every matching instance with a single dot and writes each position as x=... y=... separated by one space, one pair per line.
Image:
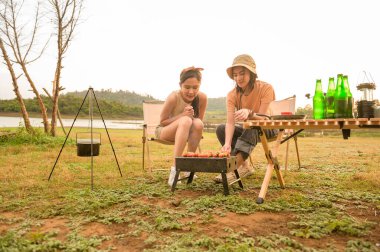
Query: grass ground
x=331 y=204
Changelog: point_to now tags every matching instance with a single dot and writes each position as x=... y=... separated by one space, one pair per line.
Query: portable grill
x=220 y=165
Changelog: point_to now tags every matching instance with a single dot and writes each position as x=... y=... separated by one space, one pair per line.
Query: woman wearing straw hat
x=249 y=96
x=182 y=115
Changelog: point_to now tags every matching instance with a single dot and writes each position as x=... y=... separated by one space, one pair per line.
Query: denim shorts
x=243 y=140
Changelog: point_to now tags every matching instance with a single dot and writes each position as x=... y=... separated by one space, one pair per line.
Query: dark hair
x=195 y=105
x=194 y=73
x=240 y=91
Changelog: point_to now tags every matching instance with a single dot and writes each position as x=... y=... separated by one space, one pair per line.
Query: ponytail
x=195 y=105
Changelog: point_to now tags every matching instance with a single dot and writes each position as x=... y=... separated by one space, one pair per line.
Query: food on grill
x=207 y=154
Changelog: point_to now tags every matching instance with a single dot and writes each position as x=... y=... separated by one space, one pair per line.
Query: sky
x=142 y=46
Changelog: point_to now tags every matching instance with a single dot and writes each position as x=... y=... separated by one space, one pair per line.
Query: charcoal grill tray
x=200 y=164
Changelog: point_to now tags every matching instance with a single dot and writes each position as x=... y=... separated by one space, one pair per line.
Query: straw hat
x=243 y=60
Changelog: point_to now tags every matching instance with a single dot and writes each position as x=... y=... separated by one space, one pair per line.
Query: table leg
x=286 y=156
x=265 y=184
x=272 y=163
x=280 y=178
x=298 y=154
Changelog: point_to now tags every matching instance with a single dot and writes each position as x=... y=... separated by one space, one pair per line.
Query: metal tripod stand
x=91 y=92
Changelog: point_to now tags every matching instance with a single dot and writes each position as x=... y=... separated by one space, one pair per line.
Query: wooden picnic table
x=346 y=125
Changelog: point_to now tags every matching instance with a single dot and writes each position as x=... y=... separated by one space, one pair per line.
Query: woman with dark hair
x=182 y=115
x=248 y=97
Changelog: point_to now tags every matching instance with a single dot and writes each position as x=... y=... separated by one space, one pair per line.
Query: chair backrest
x=152 y=111
x=285 y=105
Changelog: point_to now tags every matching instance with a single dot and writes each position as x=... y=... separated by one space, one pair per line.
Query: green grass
x=331 y=204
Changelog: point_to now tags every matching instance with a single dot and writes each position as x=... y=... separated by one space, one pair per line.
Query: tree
x=307 y=110
x=22 y=44
x=24 y=112
x=66 y=14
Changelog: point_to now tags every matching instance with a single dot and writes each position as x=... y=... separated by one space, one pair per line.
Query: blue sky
x=142 y=46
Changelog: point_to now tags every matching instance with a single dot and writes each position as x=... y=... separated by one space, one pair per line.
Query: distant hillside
x=69 y=105
x=123 y=97
x=119 y=104
x=134 y=99
x=216 y=104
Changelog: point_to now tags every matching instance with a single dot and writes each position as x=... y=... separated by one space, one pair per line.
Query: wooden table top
x=340 y=123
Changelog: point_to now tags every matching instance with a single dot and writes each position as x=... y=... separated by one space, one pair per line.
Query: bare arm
x=264 y=108
x=230 y=128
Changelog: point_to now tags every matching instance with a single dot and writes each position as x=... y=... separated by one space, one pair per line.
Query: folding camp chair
x=276 y=108
x=152 y=111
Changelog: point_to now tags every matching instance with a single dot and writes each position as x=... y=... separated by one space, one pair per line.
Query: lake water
x=6 y=121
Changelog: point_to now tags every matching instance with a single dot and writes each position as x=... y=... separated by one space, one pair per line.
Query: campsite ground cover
x=331 y=204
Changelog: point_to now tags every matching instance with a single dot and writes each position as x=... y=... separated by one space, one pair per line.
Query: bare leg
x=178 y=132
x=195 y=135
x=181 y=136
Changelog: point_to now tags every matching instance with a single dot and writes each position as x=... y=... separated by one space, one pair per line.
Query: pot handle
x=100 y=135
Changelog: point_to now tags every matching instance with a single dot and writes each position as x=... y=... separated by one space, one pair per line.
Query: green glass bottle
x=330 y=107
x=339 y=77
x=341 y=99
x=349 y=97
x=318 y=101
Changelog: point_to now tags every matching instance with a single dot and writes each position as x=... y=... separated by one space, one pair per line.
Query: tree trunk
x=39 y=99
x=66 y=16
x=58 y=113
x=16 y=42
x=56 y=89
x=24 y=112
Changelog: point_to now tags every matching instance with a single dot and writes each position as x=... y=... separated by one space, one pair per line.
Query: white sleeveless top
x=180 y=105
x=178 y=109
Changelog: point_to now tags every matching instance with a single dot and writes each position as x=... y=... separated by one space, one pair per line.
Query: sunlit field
x=331 y=204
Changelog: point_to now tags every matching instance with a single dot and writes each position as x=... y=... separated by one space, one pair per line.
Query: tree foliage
x=119 y=104
x=307 y=110
x=124 y=97
x=70 y=104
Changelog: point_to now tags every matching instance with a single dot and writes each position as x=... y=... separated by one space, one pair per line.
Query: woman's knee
x=185 y=122
x=220 y=130
x=220 y=133
x=197 y=125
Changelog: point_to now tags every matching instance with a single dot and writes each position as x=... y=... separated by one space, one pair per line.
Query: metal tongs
x=263 y=115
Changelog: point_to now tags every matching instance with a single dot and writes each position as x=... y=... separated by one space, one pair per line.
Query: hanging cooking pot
x=84 y=143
